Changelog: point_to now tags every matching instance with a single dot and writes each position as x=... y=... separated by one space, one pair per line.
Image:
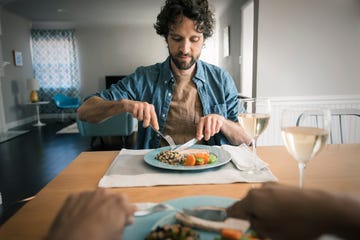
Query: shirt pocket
x=198 y=112
x=219 y=109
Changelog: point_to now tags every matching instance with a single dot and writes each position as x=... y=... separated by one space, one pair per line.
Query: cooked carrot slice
x=231 y=234
x=190 y=160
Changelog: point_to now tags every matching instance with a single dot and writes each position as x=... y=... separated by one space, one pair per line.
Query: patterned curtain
x=55 y=64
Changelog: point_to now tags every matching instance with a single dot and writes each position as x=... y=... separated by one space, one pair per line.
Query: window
x=55 y=63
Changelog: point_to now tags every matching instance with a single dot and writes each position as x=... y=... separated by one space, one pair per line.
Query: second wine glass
x=304 y=133
x=254 y=116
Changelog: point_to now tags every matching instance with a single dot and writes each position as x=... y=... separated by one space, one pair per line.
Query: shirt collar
x=168 y=75
x=200 y=74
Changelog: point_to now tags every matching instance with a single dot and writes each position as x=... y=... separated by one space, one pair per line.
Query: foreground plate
x=143 y=225
x=222 y=155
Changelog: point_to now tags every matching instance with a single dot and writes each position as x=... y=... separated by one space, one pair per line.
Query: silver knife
x=215 y=226
x=186 y=145
x=207 y=212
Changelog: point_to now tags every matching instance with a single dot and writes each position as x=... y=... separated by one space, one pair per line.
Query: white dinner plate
x=223 y=157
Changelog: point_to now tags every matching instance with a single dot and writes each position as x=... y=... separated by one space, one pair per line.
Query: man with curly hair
x=183 y=96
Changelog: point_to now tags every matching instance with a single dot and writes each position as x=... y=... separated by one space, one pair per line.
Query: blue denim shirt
x=155 y=84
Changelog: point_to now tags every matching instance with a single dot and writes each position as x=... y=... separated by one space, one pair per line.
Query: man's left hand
x=209 y=125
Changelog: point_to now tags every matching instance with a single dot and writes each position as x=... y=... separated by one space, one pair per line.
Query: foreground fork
x=146 y=209
x=167 y=138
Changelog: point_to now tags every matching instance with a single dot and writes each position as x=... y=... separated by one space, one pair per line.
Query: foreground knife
x=208 y=213
x=214 y=226
x=186 y=145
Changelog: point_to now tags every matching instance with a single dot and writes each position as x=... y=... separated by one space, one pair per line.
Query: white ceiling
x=88 y=12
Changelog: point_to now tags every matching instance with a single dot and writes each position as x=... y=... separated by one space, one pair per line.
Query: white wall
x=308 y=48
x=120 y=50
x=309 y=54
x=116 y=51
x=16 y=36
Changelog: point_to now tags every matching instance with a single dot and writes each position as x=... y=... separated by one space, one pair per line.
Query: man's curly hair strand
x=196 y=10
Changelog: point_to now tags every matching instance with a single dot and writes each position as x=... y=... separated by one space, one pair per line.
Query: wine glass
x=254 y=116
x=304 y=133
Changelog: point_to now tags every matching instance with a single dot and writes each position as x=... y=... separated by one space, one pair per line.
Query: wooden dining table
x=335 y=169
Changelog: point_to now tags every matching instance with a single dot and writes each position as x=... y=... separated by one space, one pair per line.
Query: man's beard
x=182 y=65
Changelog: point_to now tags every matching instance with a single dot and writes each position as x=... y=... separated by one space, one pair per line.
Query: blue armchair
x=122 y=125
x=64 y=102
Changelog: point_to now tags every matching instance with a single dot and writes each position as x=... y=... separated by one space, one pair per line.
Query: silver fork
x=167 y=138
x=159 y=207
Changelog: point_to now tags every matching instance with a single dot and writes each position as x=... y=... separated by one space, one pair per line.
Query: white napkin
x=243 y=157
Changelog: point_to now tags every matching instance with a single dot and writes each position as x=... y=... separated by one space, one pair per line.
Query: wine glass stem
x=301 y=174
x=253 y=143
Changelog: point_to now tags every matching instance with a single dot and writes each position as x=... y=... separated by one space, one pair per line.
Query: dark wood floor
x=28 y=162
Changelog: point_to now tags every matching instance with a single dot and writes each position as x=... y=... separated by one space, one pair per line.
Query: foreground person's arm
x=283 y=212
x=92 y=215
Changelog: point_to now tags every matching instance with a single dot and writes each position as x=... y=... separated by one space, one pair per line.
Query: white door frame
x=3 y=127
x=248 y=46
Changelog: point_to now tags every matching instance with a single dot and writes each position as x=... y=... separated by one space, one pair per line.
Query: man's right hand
x=96 y=109
x=142 y=111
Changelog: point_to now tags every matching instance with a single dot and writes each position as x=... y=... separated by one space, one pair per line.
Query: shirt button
x=169 y=94
x=165 y=81
x=163 y=115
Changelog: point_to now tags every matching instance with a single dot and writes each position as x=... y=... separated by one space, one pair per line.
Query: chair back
x=119 y=125
x=344 y=124
x=63 y=101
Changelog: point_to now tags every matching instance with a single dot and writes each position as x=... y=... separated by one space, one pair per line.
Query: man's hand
x=212 y=124
x=143 y=111
x=92 y=215
x=209 y=125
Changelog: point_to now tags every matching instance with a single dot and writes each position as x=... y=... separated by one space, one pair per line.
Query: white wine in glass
x=254 y=116
x=254 y=124
x=305 y=133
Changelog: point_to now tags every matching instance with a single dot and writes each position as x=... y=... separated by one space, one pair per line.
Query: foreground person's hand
x=284 y=212
x=92 y=215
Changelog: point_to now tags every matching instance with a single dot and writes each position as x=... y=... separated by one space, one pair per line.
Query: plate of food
x=198 y=157
x=171 y=228
x=143 y=226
